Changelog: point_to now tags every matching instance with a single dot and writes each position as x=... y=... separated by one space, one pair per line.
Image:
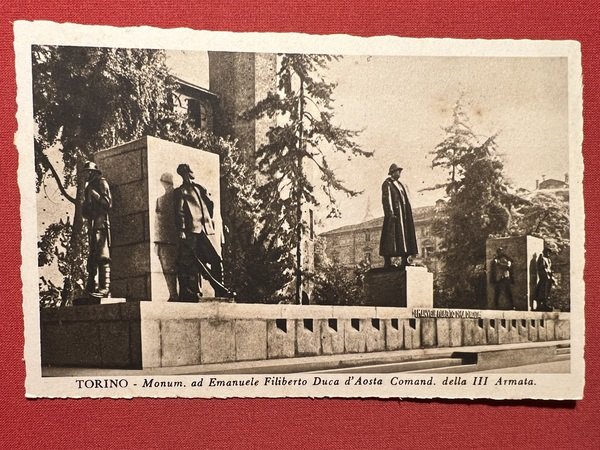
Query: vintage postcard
x=212 y=214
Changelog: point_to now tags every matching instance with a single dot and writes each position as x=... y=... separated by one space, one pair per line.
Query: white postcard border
x=556 y=386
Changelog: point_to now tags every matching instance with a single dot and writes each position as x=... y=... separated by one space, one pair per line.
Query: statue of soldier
x=398 y=236
x=545 y=280
x=502 y=278
x=96 y=206
x=194 y=211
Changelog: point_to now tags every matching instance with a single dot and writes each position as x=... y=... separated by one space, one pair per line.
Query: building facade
x=357 y=244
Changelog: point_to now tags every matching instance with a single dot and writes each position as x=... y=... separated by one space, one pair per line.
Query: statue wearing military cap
x=546 y=280
x=96 y=206
x=502 y=278
x=194 y=210
x=398 y=236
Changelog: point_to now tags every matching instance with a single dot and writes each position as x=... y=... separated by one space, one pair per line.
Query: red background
x=259 y=423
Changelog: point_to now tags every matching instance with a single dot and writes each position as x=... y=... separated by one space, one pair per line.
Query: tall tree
x=298 y=144
x=478 y=206
x=546 y=215
x=458 y=142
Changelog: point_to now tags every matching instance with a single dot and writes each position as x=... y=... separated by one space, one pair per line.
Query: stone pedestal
x=138 y=335
x=97 y=301
x=142 y=175
x=524 y=252
x=409 y=288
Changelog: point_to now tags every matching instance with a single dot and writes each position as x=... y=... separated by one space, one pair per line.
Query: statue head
x=91 y=169
x=395 y=171
x=185 y=172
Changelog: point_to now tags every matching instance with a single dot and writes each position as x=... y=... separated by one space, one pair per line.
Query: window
x=198 y=113
x=367 y=236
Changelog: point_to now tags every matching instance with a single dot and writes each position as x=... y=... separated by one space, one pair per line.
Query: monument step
x=563 y=351
x=399 y=366
x=511 y=357
x=462 y=368
x=85 y=301
x=310 y=363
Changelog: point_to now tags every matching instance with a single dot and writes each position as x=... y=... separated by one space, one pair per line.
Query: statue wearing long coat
x=398 y=236
x=545 y=278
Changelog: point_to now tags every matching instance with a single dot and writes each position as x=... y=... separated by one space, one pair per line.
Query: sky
x=402 y=103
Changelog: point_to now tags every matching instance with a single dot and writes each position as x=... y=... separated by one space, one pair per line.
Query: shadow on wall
x=165 y=244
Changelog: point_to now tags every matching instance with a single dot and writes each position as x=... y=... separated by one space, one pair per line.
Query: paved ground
x=563 y=366
x=334 y=363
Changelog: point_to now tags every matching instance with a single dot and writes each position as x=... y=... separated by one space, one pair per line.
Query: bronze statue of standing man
x=545 y=280
x=96 y=206
x=398 y=236
x=502 y=278
x=194 y=211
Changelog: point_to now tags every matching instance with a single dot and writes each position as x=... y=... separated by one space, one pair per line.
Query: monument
x=406 y=285
x=516 y=292
x=153 y=334
x=502 y=279
x=144 y=234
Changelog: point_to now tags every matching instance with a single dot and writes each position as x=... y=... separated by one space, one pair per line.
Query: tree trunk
x=298 y=298
x=76 y=246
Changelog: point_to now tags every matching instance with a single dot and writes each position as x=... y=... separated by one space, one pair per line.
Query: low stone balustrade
x=152 y=334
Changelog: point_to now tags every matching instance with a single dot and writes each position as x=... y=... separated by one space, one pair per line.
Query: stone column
x=524 y=252
x=142 y=175
x=241 y=80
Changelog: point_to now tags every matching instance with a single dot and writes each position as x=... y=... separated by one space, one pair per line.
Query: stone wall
x=178 y=334
x=92 y=336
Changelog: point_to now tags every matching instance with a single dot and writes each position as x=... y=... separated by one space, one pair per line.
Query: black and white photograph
x=211 y=214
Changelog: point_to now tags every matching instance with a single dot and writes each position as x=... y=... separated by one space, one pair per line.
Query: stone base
x=92 y=336
x=411 y=287
x=207 y=300
x=97 y=301
x=136 y=335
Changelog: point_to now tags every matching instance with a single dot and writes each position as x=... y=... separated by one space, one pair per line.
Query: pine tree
x=458 y=142
x=478 y=206
x=300 y=142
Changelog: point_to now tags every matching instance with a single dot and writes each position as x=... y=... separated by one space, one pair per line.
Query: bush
x=337 y=285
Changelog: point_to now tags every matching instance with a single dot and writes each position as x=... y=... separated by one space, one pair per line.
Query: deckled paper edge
x=555 y=386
